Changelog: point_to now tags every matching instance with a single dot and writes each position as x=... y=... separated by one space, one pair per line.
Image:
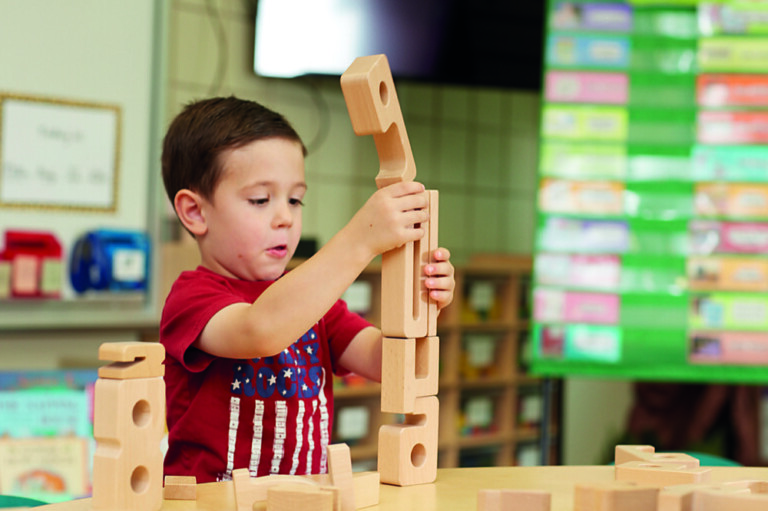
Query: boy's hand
x=440 y=281
x=389 y=218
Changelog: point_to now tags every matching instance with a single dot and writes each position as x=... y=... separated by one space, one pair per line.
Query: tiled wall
x=478 y=147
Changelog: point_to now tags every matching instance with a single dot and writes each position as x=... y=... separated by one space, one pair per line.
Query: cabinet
x=491 y=410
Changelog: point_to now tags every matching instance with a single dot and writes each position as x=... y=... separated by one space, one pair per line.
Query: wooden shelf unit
x=484 y=388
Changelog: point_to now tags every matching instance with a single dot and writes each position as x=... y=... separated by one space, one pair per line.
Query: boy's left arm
x=363 y=355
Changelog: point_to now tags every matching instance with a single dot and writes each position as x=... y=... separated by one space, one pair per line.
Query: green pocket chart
x=651 y=236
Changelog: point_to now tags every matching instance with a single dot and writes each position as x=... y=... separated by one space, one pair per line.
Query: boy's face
x=254 y=218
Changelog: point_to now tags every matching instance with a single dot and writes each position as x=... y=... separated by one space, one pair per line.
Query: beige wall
x=478 y=147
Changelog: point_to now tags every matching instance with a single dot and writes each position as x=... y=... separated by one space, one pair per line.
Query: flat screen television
x=489 y=43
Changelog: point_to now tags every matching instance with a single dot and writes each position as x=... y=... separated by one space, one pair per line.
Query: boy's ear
x=188 y=205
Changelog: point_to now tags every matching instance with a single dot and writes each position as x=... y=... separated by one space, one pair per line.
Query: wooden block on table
x=249 y=490
x=625 y=453
x=369 y=91
x=366 y=489
x=409 y=369
x=407 y=311
x=661 y=474
x=408 y=451
x=680 y=497
x=340 y=472
x=615 y=496
x=180 y=488
x=513 y=500
x=132 y=360
x=300 y=497
x=731 y=497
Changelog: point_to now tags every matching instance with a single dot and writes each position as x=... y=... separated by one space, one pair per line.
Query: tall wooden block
x=369 y=92
x=408 y=451
x=410 y=369
x=406 y=309
x=128 y=426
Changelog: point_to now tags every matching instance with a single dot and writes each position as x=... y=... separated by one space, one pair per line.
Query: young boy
x=251 y=348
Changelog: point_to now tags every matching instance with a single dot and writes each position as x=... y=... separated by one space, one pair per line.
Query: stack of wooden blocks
x=410 y=355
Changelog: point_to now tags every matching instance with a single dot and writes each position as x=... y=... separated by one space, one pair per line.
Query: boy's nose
x=283 y=216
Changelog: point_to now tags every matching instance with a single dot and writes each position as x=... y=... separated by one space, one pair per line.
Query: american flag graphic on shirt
x=290 y=409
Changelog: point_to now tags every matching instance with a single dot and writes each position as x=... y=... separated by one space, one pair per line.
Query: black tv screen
x=490 y=43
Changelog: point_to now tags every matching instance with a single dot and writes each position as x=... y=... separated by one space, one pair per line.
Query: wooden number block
x=409 y=369
x=180 y=488
x=369 y=92
x=300 y=497
x=513 y=500
x=408 y=451
x=129 y=421
x=662 y=474
x=625 y=453
x=132 y=360
x=614 y=496
x=340 y=470
x=406 y=309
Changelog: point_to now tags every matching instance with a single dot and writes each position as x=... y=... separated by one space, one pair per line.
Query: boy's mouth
x=278 y=251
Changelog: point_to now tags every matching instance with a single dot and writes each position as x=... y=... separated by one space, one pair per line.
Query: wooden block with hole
x=408 y=451
x=513 y=500
x=661 y=474
x=128 y=426
x=625 y=453
x=180 y=488
x=409 y=369
x=369 y=92
x=615 y=496
x=406 y=310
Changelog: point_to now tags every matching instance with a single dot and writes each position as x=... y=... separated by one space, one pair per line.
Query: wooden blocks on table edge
x=351 y=490
x=369 y=91
x=513 y=500
x=180 y=488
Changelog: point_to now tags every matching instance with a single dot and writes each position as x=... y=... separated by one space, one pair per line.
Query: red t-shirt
x=270 y=414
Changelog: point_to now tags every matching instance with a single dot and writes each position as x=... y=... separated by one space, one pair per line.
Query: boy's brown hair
x=206 y=128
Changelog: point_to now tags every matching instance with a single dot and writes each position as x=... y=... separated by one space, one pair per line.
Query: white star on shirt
x=272 y=379
x=235 y=384
x=304 y=387
x=288 y=373
x=309 y=349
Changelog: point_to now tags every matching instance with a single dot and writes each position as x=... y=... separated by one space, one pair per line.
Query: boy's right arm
x=295 y=302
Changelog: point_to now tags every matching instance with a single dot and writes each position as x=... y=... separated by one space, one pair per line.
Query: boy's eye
x=296 y=202
x=259 y=201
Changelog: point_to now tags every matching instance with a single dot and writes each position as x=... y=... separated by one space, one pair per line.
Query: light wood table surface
x=455 y=489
